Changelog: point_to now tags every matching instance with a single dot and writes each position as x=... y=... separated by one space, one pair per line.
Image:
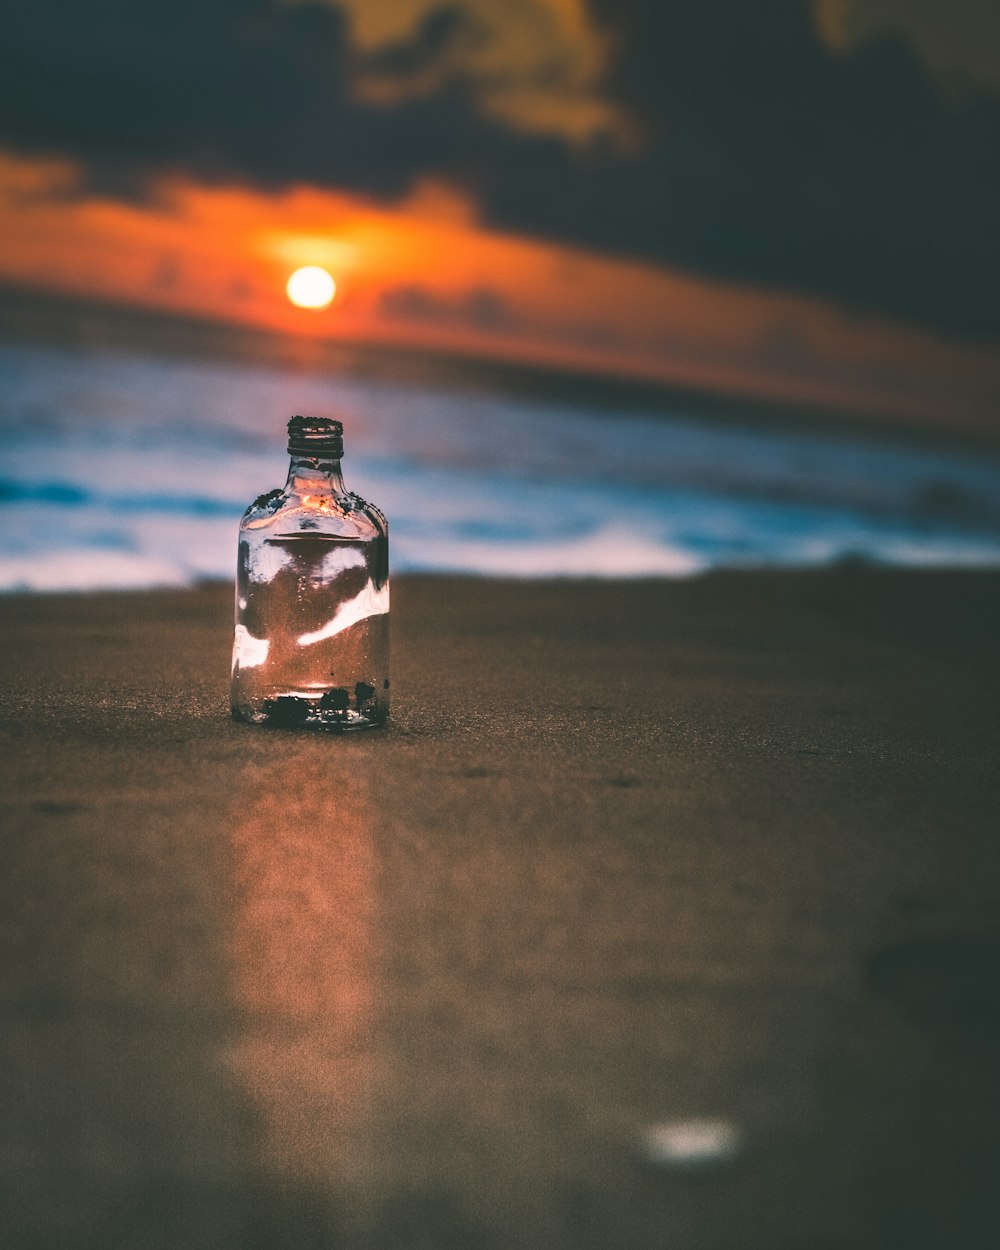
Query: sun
x=311 y=287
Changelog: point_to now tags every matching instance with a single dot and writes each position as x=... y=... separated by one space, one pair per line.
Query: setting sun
x=311 y=287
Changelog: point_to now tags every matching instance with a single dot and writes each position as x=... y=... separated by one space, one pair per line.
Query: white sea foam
x=612 y=551
x=84 y=568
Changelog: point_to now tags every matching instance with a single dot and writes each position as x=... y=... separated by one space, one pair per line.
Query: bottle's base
x=289 y=711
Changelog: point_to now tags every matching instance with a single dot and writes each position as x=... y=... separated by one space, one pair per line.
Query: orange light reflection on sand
x=299 y=941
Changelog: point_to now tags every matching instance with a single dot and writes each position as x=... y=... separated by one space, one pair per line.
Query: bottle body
x=311 y=646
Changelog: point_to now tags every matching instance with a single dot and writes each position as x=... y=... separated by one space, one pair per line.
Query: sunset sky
x=791 y=199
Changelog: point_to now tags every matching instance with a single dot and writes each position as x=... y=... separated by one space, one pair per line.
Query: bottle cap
x=315 y=436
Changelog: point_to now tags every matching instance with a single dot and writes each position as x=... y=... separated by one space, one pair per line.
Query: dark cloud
x=414 y=56
x=764 y=157
x=480 y=307
x=167 y=274
x=781 y=162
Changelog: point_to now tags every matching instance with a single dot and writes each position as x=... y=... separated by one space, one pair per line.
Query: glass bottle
x=312 y=596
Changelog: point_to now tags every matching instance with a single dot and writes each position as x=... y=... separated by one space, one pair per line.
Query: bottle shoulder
x=340 y=515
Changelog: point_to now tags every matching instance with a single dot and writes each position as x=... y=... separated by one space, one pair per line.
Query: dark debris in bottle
x=286 y=712
x=262 y=501
x=336 y=700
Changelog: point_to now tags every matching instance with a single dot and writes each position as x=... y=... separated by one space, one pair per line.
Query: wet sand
x=626 y=856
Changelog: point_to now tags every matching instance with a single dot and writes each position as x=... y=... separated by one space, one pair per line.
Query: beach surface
x=661 y=914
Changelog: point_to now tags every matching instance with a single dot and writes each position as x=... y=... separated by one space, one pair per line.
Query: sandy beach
x=627 y=856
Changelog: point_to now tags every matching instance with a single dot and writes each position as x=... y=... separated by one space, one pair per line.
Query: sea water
x=122 y=469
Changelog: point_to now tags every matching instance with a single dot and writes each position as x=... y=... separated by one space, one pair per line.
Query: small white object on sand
x=691 y=1143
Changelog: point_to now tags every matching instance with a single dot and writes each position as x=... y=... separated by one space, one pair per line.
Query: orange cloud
x=537 y=66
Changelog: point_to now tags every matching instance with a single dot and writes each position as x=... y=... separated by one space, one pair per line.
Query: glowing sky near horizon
x=425 y=273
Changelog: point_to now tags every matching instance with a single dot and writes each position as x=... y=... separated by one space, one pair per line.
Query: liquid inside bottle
x=311 y=647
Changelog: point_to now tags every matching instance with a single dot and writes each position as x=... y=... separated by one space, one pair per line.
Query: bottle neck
x=314 y=475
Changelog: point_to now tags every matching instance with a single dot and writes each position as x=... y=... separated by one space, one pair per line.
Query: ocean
x=121 y=468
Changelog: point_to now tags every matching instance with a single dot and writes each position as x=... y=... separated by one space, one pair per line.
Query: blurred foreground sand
x=626 y=855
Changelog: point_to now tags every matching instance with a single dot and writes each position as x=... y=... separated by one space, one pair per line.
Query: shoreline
x=852 y=570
